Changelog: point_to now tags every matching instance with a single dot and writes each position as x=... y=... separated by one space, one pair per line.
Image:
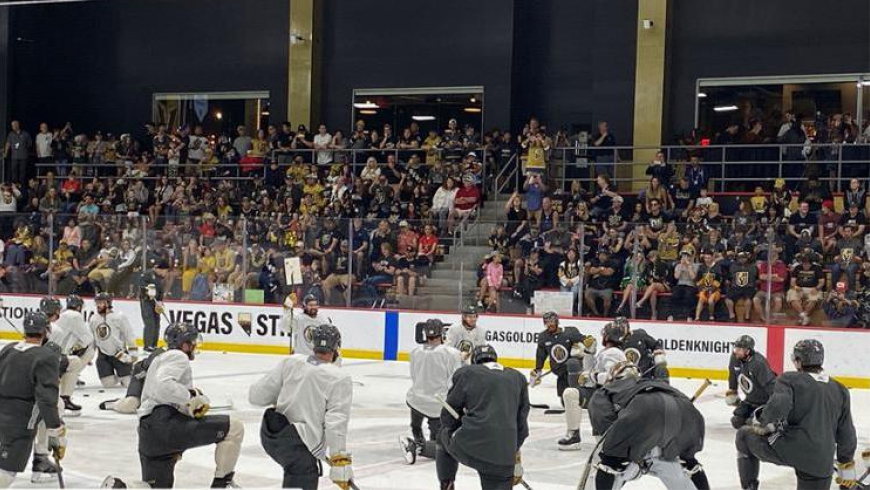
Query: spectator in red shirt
x=428 y=243
x=407 y=238
x=466 y=202
x=778 y=276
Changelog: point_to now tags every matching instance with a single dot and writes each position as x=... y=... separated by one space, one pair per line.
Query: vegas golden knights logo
x=559 y=353
x=847 y=254
x=742 y=279
x=103 y=331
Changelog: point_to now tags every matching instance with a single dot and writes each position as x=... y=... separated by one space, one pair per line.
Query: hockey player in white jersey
x=115 y=341
x=300 y=326
x=605 y=360
x=310 y=398
x=173 y=417
x=76 y=342
x=432 y=367
x=467 y=336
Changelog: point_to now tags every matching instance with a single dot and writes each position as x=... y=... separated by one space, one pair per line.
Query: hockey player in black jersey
x=749 y=371
x=29 y=387
x=490 y=404
x=645 y=351
x=566 y=348
x=648 y=427
x=806 y=424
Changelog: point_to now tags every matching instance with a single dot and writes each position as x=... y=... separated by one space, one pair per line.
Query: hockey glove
x=865 y=457
x=535 y=378
x=198 y=405
x=659 y=358
x=847 y=475
x=589 y=345
x=341 y=471
x=762 y=430
x=731 y=398
x=518 y=469
x=125 y=357
x=57 y=441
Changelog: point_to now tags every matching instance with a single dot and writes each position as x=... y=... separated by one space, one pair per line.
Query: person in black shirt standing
x=806 y=424
x=807 y=282
x=749 y=371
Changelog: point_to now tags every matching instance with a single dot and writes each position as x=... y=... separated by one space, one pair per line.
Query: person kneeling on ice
x=116 y=343
x=172 y=418
x=749 y=371
x=29 y=377
x=432 y=367
x=130 y=403
x=76 y=342
x=648 y=427
x=806 y=424
x=490 y=404
x=312 y=398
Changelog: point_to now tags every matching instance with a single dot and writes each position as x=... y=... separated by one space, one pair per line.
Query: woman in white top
x=442 y=201
x=323 y=141
x=371 y=171
x=72 y=234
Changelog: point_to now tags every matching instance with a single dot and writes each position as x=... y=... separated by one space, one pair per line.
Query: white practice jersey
x=432 y=369
x=465 y=340
x=299 y=326
x=71 y=333
x=168 y=381
x=315 y=397
x=604 y=361
x=112 y=333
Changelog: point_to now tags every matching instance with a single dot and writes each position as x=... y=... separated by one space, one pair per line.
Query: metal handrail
x=497 y=188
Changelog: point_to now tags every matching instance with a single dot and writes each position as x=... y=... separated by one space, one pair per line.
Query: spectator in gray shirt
x=17 y=149
x=242 y=143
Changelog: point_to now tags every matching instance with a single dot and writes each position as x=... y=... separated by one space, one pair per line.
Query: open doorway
x=428 y=108
x=217 y=112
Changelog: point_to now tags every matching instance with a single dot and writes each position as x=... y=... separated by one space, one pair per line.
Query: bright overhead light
x=473 y=100
x=366 y=105
x=423 y=118
x=865 y=83
x=725 y=108
x=702 y=95
x=368 y=112
x=219 y=115
x=472 y=109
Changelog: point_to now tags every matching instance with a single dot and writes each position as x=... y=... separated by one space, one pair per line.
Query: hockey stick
x=452 y=411
x=13 y=326
x=60 y=481
x=540 y=378
x=701 y=389
x=542 y=406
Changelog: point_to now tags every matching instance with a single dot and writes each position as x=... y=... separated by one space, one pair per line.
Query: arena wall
x=694 y=351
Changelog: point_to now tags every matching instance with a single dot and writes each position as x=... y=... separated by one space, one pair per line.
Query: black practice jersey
x=815 y=417
x=557 y=347
x=645 y=345
x=753 y=376
x=493 y=402
x=29 y=377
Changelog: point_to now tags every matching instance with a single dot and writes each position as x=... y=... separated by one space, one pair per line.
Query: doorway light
x=473 y=109
x=365 y=105
x=725 y=108
x=368 y=112
x=702 y=95
x=423 y=118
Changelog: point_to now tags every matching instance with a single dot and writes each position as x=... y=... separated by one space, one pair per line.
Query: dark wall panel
x=416 y=43
x=574 y=63
x=726 y=38
x=4 y=63
x=99 y=63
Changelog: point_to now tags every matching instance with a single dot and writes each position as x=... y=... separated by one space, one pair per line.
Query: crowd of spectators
x=369 y=212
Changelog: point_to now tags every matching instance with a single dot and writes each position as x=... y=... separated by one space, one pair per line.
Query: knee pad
x=236 y=432
x=109 y=381
x=6 y=478
x=127 y=405
x=571 y=396
x=737 y=421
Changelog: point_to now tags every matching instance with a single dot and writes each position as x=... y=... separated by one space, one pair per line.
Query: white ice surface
x=102 y=443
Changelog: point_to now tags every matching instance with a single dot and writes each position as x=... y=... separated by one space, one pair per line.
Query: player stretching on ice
x=76 y=342
x=432 y=367
x=566 y=349
x=644 y=350
x=130 y=403
x=301 y=326
x=29 y=374
x=486 y=423
x=467 y=336
x=312 y=398
x=173 y=417
x=806 y=423
x=116 y=343
x=648 y=427
x=749 y=371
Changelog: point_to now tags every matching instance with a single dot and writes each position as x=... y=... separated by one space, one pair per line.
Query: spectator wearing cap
x=807 y=284
x=841 y=306
x=465 y=204
x=601 y=280
x=408 y=238
x=854 y=218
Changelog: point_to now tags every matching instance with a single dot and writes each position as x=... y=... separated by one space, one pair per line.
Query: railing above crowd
x=743 y=269
x=727 y=167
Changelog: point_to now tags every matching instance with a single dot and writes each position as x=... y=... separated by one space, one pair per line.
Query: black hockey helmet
x=104 y=296
x=550 y=316
x=326 y=338
x=745 y=342
x=179 y=333
x=612 y=333
x=50 y=306
x=74 y=302
x=483 y=353
x=36 y=323
x=309 y=298
x=622 y=323
x=810 y=352
x=434 y=328
x=469 y=310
